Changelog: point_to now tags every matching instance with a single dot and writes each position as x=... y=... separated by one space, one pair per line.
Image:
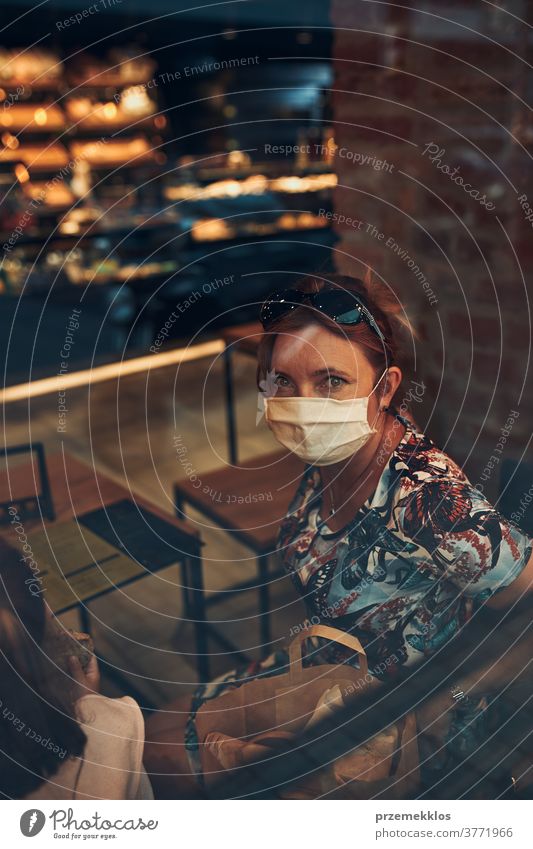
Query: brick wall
x=405 y=80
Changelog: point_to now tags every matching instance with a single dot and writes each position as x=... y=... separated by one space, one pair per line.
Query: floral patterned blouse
x=416 y=559
x=403 y=576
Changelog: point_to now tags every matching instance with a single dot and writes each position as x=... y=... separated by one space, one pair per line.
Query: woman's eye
x=334 y=382
x=280 y=380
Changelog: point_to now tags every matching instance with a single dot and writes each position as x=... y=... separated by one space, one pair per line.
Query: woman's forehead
x=314 y=347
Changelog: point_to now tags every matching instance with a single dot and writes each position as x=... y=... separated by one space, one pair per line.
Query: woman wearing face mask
x=385 y=536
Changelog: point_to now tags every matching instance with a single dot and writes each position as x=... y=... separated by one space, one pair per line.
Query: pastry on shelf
x=301 y=221
x=294 y=184
x=135 y=101
x=183 y=191
x=256 y=184
x=86 y=113
x=211 y=230
x=32 y=118
x=54 y=195
x=146 y=269
x=33 y=67
x=113 y=152
x=36 y=157
x=78 y=219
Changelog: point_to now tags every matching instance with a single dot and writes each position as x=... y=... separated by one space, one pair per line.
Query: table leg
x=264 y=604
x=230 y=407
x=196 y=584
x=185 y=585
x=185 y=590
x=85 y=621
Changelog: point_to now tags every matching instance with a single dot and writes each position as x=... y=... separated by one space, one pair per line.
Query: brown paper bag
x=232 y=728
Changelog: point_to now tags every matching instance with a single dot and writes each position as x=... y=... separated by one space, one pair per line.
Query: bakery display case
x=108 y=194
x=73 y=139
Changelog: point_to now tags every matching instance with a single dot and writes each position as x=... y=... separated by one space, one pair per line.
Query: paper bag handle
x=335 y=635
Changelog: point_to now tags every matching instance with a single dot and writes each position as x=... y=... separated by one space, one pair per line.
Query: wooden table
x=248 y=501
x=77 y=489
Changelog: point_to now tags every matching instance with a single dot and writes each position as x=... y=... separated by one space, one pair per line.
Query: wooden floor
x=128 y=429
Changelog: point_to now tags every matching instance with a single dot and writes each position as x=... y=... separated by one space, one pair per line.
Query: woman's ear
x=392 y=380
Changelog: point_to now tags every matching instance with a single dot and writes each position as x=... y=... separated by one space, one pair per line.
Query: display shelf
x=34 y=118
x=118 y=228
x=107 y=218
x=259 y=183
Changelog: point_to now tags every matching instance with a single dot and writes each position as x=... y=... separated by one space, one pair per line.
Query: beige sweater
x=111 y=766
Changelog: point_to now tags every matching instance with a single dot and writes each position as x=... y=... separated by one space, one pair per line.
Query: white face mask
x=321 y=431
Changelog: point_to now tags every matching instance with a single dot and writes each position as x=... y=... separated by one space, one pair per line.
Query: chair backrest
x=516 y=493
x=30 y=504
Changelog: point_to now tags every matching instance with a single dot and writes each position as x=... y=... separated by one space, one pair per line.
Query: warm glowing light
x=21 y=173
x=311 y=183
x=237 y=158
x=6 y=119
x=210 y=230
x=213 y=229
x=69 y=228
x=80 y=107
x=10 y=141
x=111 y=371
x=257 y=184
x=110 y=111
x=160 y=121
x=135 y=101
x=300 y=221
x=40 y=117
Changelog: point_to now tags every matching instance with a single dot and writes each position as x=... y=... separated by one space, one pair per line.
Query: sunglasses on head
x=341 y=306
